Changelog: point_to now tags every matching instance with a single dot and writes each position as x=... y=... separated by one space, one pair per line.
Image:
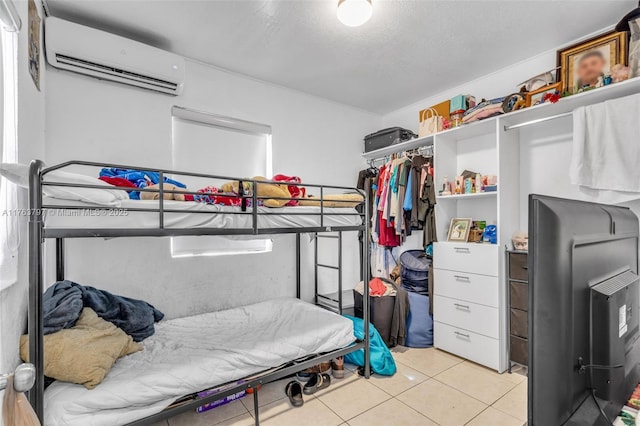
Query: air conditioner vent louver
x=107 y=56
x=92 y=66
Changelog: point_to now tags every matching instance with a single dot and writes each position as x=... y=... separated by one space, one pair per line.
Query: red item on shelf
x=552 y=97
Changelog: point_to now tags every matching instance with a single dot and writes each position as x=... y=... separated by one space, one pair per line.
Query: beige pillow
x=333 y=200
x=84 y=353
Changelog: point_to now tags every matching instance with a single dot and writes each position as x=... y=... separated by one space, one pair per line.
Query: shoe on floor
x=294 y=392
x=305 y=375
x=337 y=368
x=317 y=382
x=361 y=371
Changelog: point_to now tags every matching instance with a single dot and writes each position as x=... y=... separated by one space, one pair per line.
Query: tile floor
x=430 y=388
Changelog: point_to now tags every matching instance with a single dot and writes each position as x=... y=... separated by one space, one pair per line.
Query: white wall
x=497 y=84
x=545 y=150
x=13 y=299
x=315 y=139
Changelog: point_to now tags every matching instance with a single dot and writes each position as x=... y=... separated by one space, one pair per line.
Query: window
x=224 y=146
x=9 y=232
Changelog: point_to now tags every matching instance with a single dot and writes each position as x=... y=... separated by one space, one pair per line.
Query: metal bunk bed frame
x=38 y=233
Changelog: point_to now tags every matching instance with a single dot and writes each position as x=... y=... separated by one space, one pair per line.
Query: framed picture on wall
x=536 y=97
x=584 y=65
x=459 y=230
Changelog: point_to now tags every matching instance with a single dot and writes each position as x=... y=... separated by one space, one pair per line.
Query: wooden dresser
x=518 y=299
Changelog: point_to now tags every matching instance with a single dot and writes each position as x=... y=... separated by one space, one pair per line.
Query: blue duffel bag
x=381 y=360
x=419 y=322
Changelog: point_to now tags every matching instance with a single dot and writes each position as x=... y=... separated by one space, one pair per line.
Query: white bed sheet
x=190 y=354
x=120 y=217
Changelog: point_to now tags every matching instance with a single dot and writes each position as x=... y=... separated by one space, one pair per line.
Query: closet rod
x=539 y=120
x=423 y=150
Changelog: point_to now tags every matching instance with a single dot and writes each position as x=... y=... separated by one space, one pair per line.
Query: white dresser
x=466 y=303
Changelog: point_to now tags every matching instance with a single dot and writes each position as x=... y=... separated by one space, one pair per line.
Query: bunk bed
x=165 y=218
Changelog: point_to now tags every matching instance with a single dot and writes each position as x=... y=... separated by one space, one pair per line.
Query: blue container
x=414 y=271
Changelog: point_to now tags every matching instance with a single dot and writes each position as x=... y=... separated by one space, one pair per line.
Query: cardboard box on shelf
x=443 y=109
x=462 y=103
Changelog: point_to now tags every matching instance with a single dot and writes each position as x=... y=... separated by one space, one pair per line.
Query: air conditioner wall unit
x=107 y=56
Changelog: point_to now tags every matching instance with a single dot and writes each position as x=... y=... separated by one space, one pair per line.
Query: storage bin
x=519 y=350
x=519 y=323
x=419 y=322
x=518 y=266
x=519 y=295
x=381 y=311
x=414 y=271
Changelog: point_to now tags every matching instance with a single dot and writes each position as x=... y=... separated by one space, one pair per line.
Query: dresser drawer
x=519 y=350
x=475 y=347
x=519 y=322
x=473 y=258
x=518 y=266
x=482 y=289
x=519 y=295
x=470 y=316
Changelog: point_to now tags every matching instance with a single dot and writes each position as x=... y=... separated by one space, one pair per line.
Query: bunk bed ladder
x=332 y=301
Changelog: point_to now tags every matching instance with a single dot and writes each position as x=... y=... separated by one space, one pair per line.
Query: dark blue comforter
x=64 y=301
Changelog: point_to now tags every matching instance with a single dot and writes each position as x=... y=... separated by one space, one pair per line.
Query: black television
x=584 y=353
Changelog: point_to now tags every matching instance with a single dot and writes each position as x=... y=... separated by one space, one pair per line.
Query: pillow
x=104 y=197
x=84 y=353
x=16 y=173
x=333 y=200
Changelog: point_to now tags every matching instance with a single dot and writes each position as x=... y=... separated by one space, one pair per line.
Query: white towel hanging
x=606 y=145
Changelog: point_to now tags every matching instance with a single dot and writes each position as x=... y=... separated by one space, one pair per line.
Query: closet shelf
x=568 y=104
x=563 y=106
x=399 y=147
x=466 y=196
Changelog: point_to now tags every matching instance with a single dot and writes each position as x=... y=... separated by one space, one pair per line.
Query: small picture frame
x=459 y=230
x=536 y=97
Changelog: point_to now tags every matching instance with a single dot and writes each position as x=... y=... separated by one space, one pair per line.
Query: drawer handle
x=462 y=278
x=462 y=249
x=466 y=336
x=459 y=306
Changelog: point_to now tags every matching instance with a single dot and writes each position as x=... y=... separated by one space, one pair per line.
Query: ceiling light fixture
x=354 y=13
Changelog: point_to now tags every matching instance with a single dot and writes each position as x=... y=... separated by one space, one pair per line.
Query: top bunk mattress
x=187 y=355
x=89 y=215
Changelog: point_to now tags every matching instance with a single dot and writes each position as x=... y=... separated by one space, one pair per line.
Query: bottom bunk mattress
x=190 y=354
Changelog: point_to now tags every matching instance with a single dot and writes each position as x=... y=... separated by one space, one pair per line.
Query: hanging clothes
x=402 y=199
x=368 y=182
x=428 y=199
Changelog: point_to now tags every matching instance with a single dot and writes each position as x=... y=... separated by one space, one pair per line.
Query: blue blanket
x=382 y=361
x=63 y=303
x=138 y=178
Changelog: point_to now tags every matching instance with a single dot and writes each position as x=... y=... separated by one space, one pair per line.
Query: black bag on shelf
x=386 y=137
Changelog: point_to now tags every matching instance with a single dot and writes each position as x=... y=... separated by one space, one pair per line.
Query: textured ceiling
x=407 y=51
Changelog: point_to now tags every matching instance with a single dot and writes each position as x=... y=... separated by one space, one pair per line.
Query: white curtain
x=9 y=232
